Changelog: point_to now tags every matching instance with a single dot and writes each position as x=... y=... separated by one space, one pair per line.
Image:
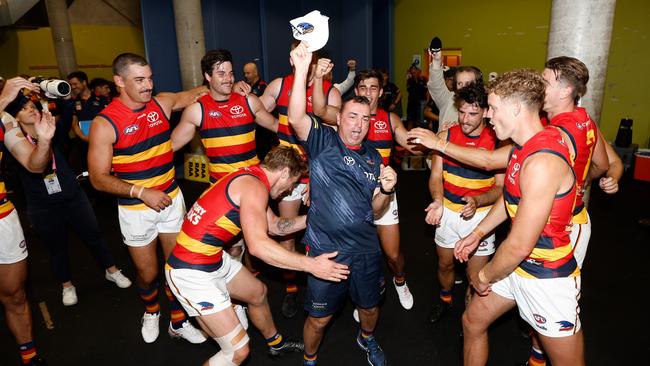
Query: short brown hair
x=284 y=156
x=570 y=71
x=122 y=62
x=524 y=85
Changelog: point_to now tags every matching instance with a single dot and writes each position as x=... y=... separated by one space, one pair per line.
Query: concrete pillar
x=190 y=40
x=583 y=29
x=57 y=15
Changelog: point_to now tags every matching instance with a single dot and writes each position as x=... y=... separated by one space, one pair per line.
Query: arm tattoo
x=285 y=224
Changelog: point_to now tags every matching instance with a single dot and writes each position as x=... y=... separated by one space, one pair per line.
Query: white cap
x=312 y=28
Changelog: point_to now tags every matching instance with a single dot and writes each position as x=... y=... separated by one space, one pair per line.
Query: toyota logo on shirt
x=152 y=116
x=348 y=160
x=380 y=126
x=237 y=109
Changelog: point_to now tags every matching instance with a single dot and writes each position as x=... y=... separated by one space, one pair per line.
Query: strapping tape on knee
x=231 y=342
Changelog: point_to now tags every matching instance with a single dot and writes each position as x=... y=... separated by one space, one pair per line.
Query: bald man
x=253 y=79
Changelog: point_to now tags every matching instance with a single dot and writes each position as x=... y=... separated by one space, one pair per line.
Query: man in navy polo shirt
x=349 y=185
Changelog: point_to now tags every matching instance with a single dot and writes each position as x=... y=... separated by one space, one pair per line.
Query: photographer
x=55 y=201
x=13 y=250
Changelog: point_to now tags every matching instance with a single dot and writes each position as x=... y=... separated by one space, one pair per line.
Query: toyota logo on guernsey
x=348 y=160
x=237 y=111
x=380 y=126
x=154 y=119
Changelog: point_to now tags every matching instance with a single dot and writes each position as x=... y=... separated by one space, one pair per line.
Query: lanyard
x=31 y=140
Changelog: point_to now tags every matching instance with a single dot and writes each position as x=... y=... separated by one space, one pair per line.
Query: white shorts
x=550 y=305
x=141 y=227
x=203 y=293
x=391 y=215
x=296 y=194
x=580 y=234
x=453 y=227
x=13 y=247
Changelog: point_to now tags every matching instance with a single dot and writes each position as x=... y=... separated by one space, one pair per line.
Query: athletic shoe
x=150 y=328
x=355 y=315
x=69 y=296
x=241 y=314
x=289 y=345
x=120 y=280
x=375 y=355
x=37 y=361
x=404 y=294
x=188 y=332
x=439 y=309
x=290 y=305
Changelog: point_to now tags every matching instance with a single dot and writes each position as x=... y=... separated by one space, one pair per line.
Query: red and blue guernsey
x=210 y=225
x=6 y=207
x=380 y=134
x=343 y=181
x=142 y=151
x=460 y=180
x=583 y=135
x=228 y=134
x=285 y=132
x=552 y=256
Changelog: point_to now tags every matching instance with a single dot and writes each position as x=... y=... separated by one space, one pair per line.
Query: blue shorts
x=365 y=285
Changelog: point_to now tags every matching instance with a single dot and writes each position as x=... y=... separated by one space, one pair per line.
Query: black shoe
x=37 y=361
x=290 y=305
x=289 y=345
x=439 y=309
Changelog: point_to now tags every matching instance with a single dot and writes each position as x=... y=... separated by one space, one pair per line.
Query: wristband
x=383 y=191
x=439 y=148
x=478 y=232
x=140 y=192
x=131 y=191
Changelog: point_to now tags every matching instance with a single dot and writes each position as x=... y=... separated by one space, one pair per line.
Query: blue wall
x=259 y=29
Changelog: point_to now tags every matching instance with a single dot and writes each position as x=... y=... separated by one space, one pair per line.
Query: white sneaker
x=150 y=328
x=355 y=315
x=120 y=280
x=187 y=332
x=69 y=296
x=241 y=314
x=404 y=294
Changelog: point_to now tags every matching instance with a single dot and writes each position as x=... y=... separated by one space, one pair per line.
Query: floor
x=103 y=328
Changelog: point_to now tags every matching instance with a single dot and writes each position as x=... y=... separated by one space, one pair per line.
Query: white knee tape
x=229 y=343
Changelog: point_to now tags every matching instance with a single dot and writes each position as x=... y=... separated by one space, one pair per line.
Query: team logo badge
x=206 y=305
x=565 y=326
x=348 y=160
x=130 y=130
x=22 y=244
x=237 y=109
x=304 y=28
x=214 y=114
x=539 y=319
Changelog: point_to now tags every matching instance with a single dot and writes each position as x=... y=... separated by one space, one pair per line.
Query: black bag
x=624 y=134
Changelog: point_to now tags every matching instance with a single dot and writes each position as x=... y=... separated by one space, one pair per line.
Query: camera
x=53 y=88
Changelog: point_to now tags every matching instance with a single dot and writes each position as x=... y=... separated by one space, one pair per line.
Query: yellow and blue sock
x=276 y=341
x=27 y=352
x=445 y=295
x=309 y=360
x=177 y=314
x=537 y=358
x=290 y=279
x=149 y=297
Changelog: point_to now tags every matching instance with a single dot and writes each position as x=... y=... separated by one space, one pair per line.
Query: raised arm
x=271 y=94
x=436 y=85
x=262 y=116
x=297 y=111
x=34 y=158
x=479 y=158
x=186 y=128
x=176 y=101
x=325 y=106
x=254 y=221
